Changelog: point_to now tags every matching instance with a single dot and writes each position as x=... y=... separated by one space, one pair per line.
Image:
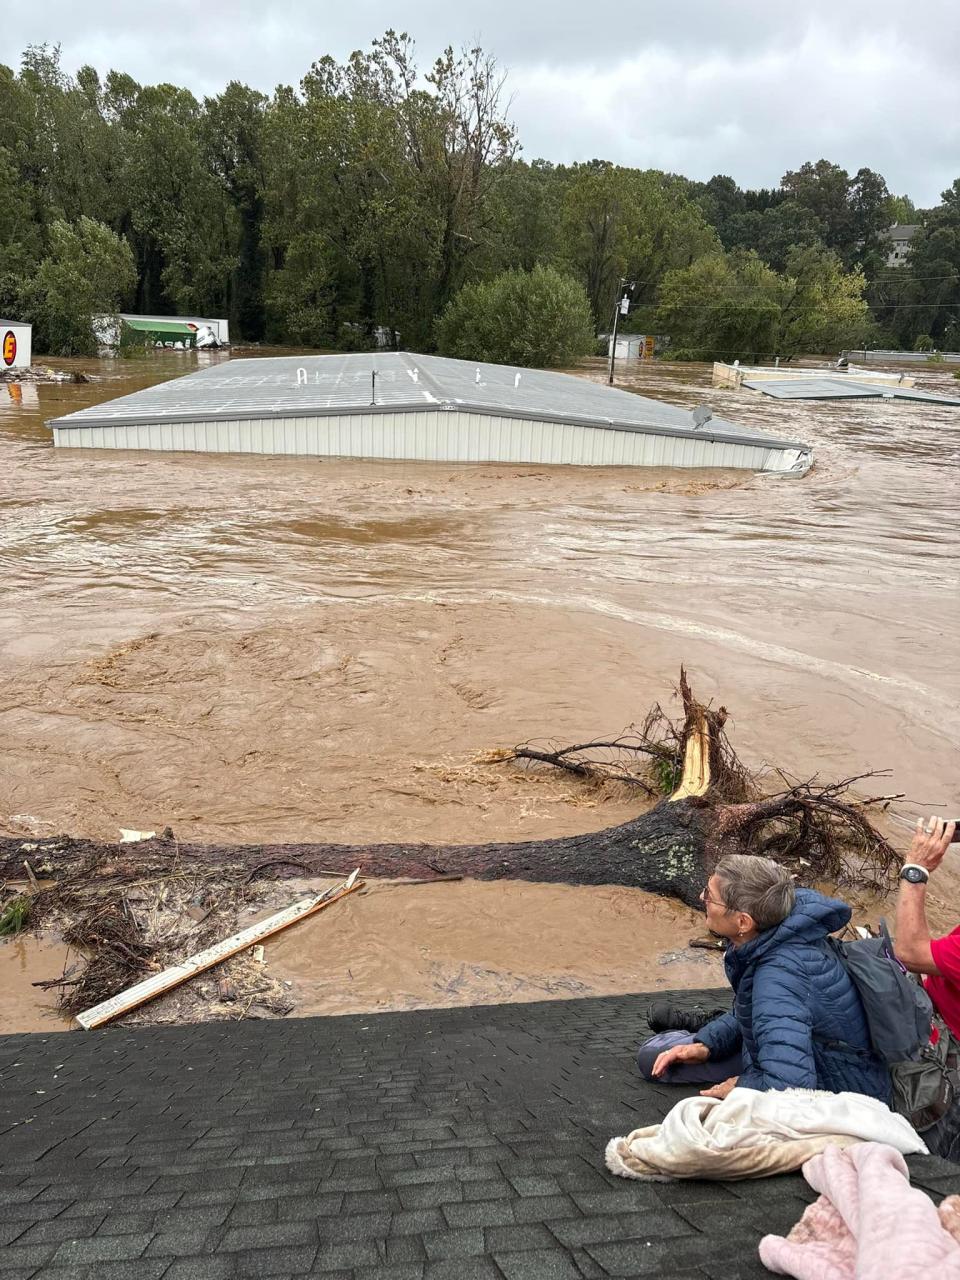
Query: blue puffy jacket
x=797 y=1018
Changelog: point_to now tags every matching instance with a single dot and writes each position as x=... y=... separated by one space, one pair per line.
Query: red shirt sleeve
x=946 y=955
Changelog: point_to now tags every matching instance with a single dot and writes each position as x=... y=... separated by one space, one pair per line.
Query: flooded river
x=253 y=648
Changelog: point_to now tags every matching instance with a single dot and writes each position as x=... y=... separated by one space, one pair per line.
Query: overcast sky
x=745 y=87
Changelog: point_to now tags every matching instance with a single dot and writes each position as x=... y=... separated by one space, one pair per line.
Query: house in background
x=898 y=239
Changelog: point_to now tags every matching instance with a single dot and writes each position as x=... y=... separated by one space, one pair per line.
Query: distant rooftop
x=843 y=387
x=900 y=231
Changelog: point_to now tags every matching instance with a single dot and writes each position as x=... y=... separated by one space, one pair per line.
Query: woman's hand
x=695 y=1052
x=931 y=842
x=720 y=1090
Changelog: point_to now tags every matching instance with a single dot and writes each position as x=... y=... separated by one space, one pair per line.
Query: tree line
x=377 y=203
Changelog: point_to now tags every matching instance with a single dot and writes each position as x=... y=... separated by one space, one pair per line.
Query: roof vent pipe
x=301 y=377
x=516 y=381
x=477 y=378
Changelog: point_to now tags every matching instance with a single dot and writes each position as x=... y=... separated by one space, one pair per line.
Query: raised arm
x=913 y=938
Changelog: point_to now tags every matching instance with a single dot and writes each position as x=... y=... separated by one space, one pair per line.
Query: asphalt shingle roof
x=461 y=1144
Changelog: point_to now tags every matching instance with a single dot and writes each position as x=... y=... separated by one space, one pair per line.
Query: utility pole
x=620 y=309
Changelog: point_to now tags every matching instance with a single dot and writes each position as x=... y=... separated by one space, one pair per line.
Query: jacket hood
x=813 y=917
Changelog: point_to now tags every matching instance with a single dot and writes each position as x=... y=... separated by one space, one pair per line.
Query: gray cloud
x=697 y=87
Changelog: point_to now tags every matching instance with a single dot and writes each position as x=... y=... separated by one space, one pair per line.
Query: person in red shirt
x=938 y=959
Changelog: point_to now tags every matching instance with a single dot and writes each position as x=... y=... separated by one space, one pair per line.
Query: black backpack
x=900 y=1017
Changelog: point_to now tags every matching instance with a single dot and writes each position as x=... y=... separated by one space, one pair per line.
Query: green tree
x=775 y=232
x=851 y=211
x=395 y=173
x=924 y=296
x=233 y=134
x=88 y=270
x=722 y=306
x=902 y=210
x=821 y=306
x=535 y=318
x=733 y=305
x=528 y=215
x=20 y=236
x=629 y=223
x=184 y=232
x=721 y=201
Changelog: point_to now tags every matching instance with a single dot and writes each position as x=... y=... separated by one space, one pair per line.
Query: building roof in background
x=841 y=388
x=900 y=231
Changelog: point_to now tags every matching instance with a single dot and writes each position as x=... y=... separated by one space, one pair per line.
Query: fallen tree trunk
x=822 y=832
x=670 y=850
x=662 y=851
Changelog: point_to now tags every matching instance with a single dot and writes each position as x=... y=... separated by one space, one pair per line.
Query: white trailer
x=204 y=331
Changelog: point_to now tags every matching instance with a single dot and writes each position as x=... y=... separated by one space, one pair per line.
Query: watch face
x=913 y=874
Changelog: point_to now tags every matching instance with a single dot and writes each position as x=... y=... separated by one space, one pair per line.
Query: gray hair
x=758 y=886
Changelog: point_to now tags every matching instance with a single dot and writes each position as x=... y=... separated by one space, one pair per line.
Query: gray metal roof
x=344 y=384
x=841 y=388
x=900 y=231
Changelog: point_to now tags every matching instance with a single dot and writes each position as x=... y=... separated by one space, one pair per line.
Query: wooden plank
x=152 y=987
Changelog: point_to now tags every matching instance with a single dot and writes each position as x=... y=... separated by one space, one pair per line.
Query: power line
x=881 y=306
x=747 y=288
x=908 y=279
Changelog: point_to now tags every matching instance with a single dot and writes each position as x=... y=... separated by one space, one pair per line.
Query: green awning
x=178 y=327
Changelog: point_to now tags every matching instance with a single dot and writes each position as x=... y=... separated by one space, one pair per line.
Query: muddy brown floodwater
x=252 y=648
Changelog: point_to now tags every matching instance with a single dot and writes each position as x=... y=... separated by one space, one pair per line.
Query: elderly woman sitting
x=797 y=1021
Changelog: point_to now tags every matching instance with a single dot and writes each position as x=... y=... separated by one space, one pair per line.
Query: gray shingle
x=103 y=1248
x=565 y=1068
x=464 y=1242
x=537 y=1264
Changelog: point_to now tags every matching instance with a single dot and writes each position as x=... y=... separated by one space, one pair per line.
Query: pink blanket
x=869 y=1223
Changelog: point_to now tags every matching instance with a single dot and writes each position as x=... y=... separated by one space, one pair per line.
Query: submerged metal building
x=403 y=406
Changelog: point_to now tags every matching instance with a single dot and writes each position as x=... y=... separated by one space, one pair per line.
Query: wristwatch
x=914 y=874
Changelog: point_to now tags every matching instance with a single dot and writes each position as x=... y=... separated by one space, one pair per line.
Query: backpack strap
x=888 y=946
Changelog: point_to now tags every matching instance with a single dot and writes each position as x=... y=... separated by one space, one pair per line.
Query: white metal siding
x=434 y=437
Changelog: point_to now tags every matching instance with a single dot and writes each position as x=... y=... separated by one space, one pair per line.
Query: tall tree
x=851 y=211
x=733 y=305
x=89 y=269
x=630 y=223
x=775 y=232
x=233 y=139
x=925 y=299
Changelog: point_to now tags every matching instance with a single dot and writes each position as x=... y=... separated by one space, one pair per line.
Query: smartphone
x=956 y=830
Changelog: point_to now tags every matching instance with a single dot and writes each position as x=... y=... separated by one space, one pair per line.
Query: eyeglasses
x=706 y=899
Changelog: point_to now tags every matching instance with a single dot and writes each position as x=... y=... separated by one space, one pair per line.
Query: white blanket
x=749 y=1134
